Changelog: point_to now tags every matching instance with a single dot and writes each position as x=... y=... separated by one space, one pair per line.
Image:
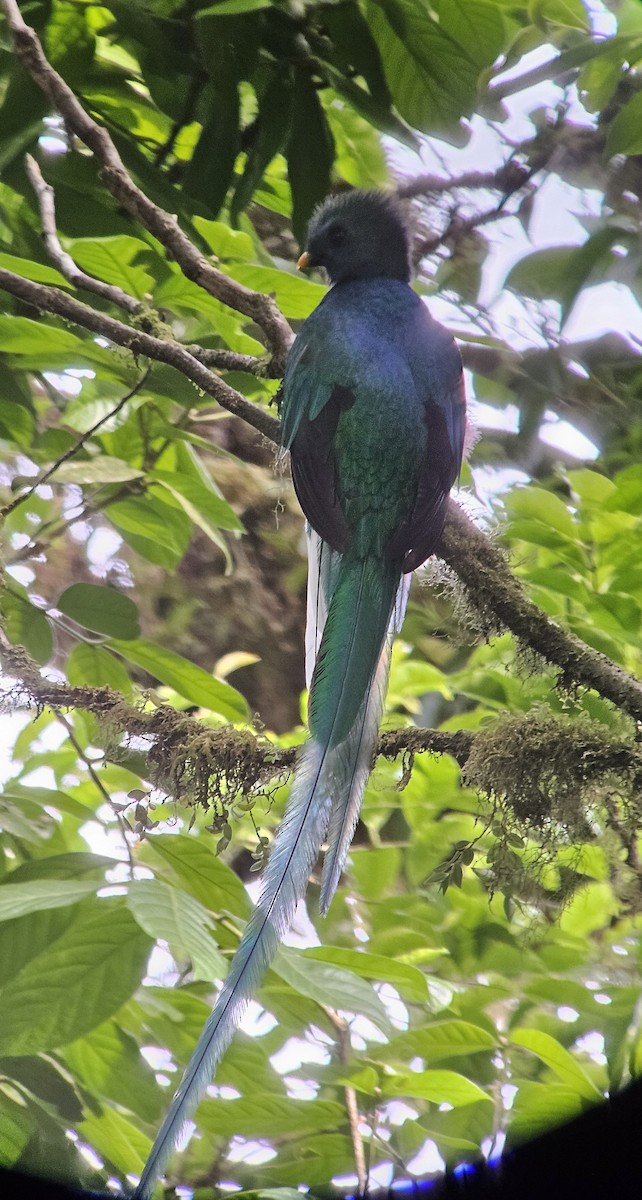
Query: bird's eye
x=336 y=235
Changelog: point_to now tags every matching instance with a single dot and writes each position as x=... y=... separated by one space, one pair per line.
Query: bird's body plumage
x=373 y=417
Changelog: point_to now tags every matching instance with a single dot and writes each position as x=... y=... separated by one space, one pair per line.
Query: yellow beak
x=304 y=261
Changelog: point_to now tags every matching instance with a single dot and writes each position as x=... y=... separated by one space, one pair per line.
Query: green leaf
x=96 y=667
x=202 y=505
x=360 y=158
x=226 y=8
x=266 y=1115
x=331 y=986
x=29 y=796
x=28 y=269
x=17 y=899
x=584 y=262
x=442 y=1087
x=409 y=981
x=543 y=506
x=568 y=14
x=309 y=152
x=96 y=470
x=64 y=866
x=540 y=1106
x=558 y=1059
x=26 y=625
x=113 y=259
x=432 y=65
x=590 y=486
x=109 y=1063
x=541 y=274
x=209 y=172
x=357 y=48
x=442 y=1039
x=102 y=609
x=160 y=532
x=172 y=914
x=16 y=1127
x=295 y=295
x=16 y=422
x=117 y=1139
x=625 y=130
x=270 y=131
x=190 y=681
x=200 y=870
x=75 y=984
x=21 y=335
x=225 y=243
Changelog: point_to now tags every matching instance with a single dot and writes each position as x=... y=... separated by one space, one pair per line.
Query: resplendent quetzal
x=373 y=416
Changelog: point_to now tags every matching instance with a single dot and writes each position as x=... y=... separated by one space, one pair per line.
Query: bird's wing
x=436 y=367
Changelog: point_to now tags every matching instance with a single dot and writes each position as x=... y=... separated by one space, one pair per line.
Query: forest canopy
x=477 y=977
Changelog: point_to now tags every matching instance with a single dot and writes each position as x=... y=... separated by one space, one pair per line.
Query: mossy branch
x=547 y=770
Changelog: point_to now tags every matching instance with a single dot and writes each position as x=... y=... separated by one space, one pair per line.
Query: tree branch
x=167 y=727
x=163 y=225
x=352 y=1106
x=138 y=341
x=64 y=262
x=497 y=593
x=507 y=178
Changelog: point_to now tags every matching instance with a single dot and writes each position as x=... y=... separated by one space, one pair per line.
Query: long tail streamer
x=350 y=640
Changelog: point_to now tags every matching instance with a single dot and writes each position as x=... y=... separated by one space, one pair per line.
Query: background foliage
x=478 y=974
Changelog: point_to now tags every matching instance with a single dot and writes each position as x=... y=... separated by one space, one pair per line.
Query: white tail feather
x=352 y=760
x=325 y=782
x=294 y=853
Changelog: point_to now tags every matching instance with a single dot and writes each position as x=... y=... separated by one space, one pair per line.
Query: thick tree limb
x=163 y=225
x=254 y=757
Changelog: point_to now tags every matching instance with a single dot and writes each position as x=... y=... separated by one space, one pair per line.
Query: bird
x=373 y=416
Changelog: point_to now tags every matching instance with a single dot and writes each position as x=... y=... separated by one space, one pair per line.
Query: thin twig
x=506 y=178
x=61 y=718
x=350 y=1096
x=229 y=360
x=78 y=445
x=65 y=263
x=163 y=225
x=458 y=228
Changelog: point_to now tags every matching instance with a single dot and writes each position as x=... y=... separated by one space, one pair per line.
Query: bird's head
x=359 y=235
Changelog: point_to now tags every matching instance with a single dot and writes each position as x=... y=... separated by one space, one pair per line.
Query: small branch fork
x=468 y=551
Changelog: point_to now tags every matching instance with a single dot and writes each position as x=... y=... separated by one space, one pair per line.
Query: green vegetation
x=153 y=584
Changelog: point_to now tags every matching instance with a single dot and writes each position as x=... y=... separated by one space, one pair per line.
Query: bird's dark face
x=359 y=235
